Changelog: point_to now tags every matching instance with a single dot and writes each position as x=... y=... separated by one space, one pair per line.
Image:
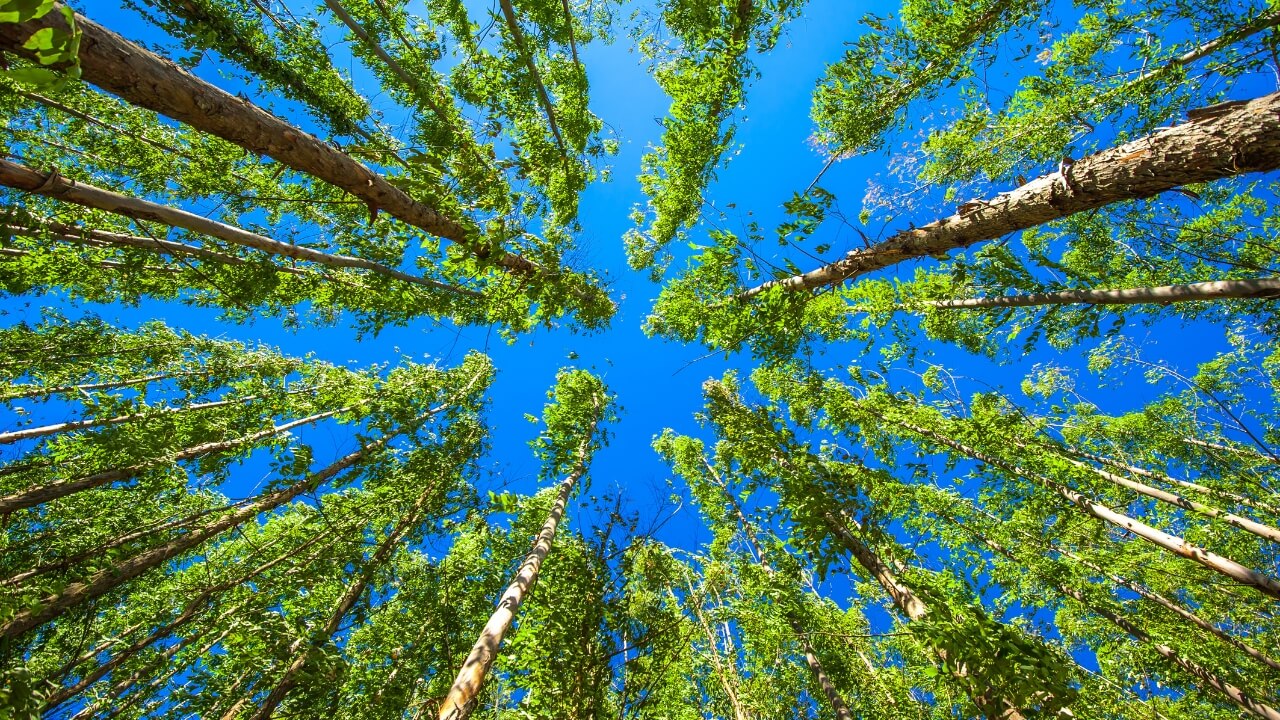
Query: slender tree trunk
x=517 y=38
x=1237 y=696
x=33 y=392
x=54 y=185
x=144 y=79
x=1196 y=487
x=102 y=238
x=1248 y=452
x=52 y=491
x=1217 y=142
x=1259 y=288
x=1174 y=544
x=461 y=700
x=910 y=604
x=106 y=580
x=349 y=598
x=46 y=430
x=838 y=705
x=1261 y=530
x=722 y=674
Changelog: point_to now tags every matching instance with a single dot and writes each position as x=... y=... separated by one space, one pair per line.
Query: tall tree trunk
x=106 y=580
x=522 y=49
x=54 y=185
x=1216 y=142
x=1237 y=696
x=462 y=697
x=1261 y=530
x=1174 y=544
x=1258 y=288
x=346 y=601
x=908 y=603
x=1196 y=487
x=52 y=491
x=144 y=79
x=35 y=392
x=46 y=430
x=838 y=705
x=722 y=673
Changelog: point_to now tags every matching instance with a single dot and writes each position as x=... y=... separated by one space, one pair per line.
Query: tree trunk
x=34 y=392
x=144 y=79
x=1217 y=142
x=838 y=705
x=55 y=186
x=1174 y=544
x=1237 y=696
x=1259 y=288
x=45 y=493
x=349 y=598
x=909 y=604
x=517 y=39
x=461 y=700
x=1261 y=530
x=106 y=580
x=46 y=430
x=1196 y=487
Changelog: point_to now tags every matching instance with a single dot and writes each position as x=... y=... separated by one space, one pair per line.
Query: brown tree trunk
x=144 y=79
x=1259 y=288
x=44 y=493
x=1217 y=142
x=54 y=185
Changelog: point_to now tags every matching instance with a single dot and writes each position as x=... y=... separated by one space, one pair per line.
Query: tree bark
x=147 y=80
x=1217 y=142
x=1261 y=288
x=55 y=186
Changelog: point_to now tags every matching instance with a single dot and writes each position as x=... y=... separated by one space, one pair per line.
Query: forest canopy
x=649 y=359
